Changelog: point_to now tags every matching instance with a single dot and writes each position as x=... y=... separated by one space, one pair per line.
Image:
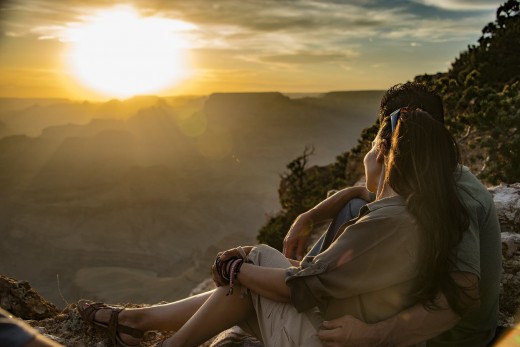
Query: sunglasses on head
x=394 y=116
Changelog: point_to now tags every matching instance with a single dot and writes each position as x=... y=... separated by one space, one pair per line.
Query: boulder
x=507 y=202
x=21 y=300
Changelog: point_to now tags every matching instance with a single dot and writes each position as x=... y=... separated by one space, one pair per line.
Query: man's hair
x=414 y=95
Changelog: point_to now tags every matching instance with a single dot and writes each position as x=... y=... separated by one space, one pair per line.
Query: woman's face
x=373 y=167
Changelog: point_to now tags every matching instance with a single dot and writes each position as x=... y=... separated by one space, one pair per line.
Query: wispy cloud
x=236 y=35
x=272 y=25
x=462 y=5
x=309 y=58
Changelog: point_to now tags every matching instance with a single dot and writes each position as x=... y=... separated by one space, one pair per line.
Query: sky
x=99 y=49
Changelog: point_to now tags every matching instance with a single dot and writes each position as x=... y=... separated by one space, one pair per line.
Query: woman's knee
x=265 y=255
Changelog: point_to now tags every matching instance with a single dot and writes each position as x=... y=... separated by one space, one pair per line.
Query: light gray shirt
x=367 y=272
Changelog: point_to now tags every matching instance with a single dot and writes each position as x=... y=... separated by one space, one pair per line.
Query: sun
x=118 y=53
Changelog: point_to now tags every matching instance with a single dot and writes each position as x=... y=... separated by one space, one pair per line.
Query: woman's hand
x=219 y=281
x=297 y=238
x=240 y=252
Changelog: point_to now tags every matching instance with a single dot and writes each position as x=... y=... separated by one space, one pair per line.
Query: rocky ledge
x=66 y=326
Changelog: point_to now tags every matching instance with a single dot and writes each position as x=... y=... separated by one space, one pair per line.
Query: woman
x=395 y=254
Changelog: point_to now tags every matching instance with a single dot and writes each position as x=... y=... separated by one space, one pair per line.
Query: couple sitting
x=421 y=263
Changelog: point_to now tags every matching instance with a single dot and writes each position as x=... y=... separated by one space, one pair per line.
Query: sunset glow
x=119 y=53
x=99 y=50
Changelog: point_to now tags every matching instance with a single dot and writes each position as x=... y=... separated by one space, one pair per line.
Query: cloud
x=267 y=24
x=282 y=33
x=423 y=31
x=462 y=5
x=272 y=16
x=309 y=58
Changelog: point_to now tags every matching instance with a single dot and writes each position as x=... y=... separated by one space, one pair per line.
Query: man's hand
x=410 y=327
x=297 y=238
x=348 y=331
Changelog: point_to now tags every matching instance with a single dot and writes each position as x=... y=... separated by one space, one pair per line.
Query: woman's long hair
x=422 y=160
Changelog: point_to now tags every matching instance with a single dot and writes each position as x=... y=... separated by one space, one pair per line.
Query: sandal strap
x=88 y=314
x=113 y=326
x=124 y=329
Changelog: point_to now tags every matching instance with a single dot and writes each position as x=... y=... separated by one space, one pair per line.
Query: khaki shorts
x=277 y=324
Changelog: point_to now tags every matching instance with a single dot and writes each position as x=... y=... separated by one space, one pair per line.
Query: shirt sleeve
x=374 y=253
x=468 y=250
x=478 y=207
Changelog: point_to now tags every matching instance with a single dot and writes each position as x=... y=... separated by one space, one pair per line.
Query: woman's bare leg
x=169 y=317
x=217 y=314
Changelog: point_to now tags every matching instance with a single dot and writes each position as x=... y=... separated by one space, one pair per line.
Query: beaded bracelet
x=228 y=270
x=236 y=264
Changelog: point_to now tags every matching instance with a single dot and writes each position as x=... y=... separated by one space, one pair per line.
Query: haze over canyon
x=131 y=200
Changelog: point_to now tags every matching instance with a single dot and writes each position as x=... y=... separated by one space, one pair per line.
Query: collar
x=396 y=200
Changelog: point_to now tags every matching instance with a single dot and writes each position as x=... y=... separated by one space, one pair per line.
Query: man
x=477 y=260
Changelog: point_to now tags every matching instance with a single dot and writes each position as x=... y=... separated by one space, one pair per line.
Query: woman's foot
x=114 y=319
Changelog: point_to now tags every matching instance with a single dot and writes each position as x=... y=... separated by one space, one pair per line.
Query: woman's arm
x=265 y=281
x=297 y=237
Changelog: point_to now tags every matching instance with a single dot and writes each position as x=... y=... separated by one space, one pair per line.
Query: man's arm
x=409 y=327
x=297 y=237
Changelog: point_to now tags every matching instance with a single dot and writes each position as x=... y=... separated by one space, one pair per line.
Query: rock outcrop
x=67 y=327
x=507 y=202
x=21 y=300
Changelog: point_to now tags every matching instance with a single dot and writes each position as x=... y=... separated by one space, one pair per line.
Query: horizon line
x=182 y=95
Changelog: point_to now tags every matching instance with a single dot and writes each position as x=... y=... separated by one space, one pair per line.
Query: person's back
x=368 y=271
x=478 y=253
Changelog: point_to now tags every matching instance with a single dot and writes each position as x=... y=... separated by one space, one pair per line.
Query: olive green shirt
x=480 y=253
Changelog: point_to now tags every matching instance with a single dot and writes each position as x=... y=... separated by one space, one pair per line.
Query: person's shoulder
x=390 y=209
x=471 y=189
x=388 y=217
x=464 y=176
x=382 y=205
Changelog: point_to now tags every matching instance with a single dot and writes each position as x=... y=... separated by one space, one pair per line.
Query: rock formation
x=68 y=328
x=507 y=202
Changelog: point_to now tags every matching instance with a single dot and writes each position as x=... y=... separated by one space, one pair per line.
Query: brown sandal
x=114 y=328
